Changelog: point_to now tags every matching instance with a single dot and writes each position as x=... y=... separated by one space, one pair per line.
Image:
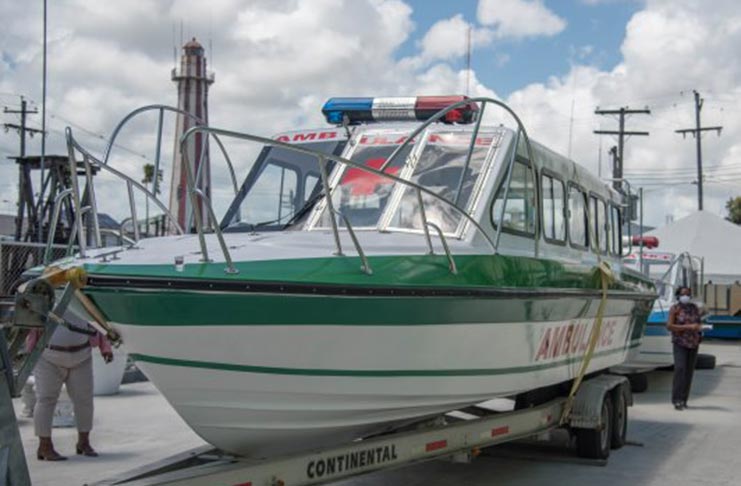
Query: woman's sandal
x=86 y=450
x=49 y=456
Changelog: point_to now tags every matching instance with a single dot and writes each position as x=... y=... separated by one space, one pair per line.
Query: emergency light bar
x=419 y=108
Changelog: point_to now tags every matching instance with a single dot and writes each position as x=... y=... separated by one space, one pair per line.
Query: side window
x=598 y=220
x=593 y=223
x=616 y=226
x=520 y=211
x=554 y=226
x=578 y=217
x=604 y=227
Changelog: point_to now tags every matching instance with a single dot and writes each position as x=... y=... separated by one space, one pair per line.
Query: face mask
x=684 y=299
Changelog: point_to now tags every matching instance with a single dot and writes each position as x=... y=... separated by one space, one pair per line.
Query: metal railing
x=199 y=199
x=86 y=217
x=322 y=159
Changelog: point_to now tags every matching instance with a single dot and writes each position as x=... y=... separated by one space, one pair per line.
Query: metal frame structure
x=195 y=194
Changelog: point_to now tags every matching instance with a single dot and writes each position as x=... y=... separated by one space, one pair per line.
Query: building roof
x=704 y=234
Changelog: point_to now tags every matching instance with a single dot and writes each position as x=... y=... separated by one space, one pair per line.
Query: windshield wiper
x=308 y=205
x=295 y=217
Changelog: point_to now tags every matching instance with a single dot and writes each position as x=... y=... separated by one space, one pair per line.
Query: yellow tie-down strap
x=77 y=277
x=606 y=277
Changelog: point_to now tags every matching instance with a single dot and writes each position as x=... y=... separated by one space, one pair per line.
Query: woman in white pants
x=67 y=360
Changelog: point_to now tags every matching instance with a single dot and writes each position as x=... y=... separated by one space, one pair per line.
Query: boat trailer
x=446 y=437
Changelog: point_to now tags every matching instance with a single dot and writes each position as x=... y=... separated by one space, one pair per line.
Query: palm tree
x=149 y=179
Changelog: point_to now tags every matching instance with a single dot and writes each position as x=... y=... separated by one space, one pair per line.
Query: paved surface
x=698 y=446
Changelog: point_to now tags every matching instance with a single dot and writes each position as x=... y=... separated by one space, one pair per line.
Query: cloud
x=519 y=19
x=670 y=47
x=277 y=61
x=448 y=39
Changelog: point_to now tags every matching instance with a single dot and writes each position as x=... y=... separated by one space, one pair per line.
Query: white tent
x=709 y=236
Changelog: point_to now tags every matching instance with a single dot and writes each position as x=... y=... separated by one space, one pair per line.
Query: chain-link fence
x=17 y=257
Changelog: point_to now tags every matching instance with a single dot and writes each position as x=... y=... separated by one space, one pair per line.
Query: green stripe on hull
x=363 y=373
x=487 y=271
x=182 y=308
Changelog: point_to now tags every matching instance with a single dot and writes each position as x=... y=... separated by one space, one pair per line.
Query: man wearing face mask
x=684 y=324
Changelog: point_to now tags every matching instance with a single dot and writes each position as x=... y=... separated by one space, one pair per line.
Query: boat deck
x=694 y=447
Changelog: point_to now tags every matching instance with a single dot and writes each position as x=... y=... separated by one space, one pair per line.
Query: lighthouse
x=192 y=80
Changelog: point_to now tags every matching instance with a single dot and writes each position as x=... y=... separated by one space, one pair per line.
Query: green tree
x=733 y=205
x=149 y=179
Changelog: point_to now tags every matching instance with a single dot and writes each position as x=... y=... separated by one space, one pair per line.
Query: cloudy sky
x=277 y=61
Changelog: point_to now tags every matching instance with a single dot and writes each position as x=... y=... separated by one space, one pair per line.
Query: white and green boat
x=453 y=263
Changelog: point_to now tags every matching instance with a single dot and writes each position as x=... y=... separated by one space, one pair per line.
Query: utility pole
x=697 y=132
x=21 y=129
x=617 y=169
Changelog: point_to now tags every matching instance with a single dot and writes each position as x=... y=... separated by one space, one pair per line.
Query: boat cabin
x=546 y=204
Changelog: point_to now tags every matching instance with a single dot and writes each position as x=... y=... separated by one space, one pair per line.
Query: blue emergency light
x=419 y=108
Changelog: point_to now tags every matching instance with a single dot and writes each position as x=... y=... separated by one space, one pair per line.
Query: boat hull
x=655 y=350
x=270 y=373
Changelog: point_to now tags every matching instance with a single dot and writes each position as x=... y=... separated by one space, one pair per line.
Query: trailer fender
x=587 y=409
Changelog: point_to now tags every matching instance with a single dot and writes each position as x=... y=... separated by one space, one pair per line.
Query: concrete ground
x=696 y=447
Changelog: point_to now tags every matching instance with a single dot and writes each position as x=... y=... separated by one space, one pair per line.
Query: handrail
x=330 y=203
x=75 y=231
x=75 y=191
x=88 y=158
x=440 y=114
x=119 y=235
x=200 y=201
x=230 y=268
x=90 y=188
x=320 y=156
x=53 y=223
x=142 y=109
x=474 y=136
x=423 y=215
x=365 y=267
x=229 y=166
x=451 y=262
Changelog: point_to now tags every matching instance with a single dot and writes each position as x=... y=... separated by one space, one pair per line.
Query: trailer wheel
x=619 y=420
x=595 y=443
x=705 y=362
x=638 y=382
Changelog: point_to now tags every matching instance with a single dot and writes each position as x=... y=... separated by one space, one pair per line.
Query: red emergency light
x=646 y=241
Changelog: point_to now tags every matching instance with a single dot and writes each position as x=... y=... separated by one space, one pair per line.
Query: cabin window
x=443 y=167
x=279 y=188
x=616 y=225
x=520 y=210
x=578 y=217
x=272 y=198
x=605 y=226
x=311 y=185
x=554 y=226
x=597 y=219
x=361 y=196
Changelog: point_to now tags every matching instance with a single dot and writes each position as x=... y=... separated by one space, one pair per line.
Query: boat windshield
x=362 y=196
x=279 y=189
x=443 y=169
